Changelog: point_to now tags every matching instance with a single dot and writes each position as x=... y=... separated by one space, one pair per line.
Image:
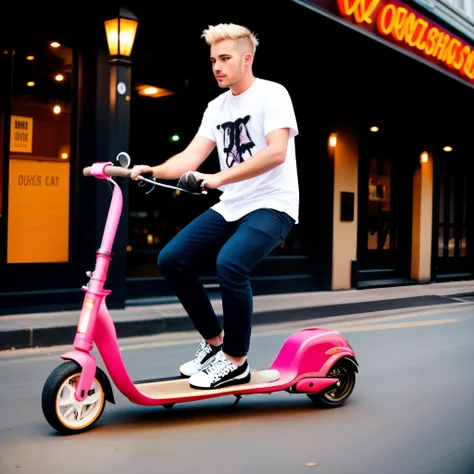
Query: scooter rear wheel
x=337 y=394
x=60 y=408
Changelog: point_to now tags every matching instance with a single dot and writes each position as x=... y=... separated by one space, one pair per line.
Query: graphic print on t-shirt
x=237 y=141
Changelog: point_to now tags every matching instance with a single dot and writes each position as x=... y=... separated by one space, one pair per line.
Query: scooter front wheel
x=61 y=409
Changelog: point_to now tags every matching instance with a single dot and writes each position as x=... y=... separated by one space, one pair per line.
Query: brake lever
x=149 y=178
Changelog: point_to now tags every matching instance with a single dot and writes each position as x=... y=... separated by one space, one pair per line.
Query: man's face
x=227 y=64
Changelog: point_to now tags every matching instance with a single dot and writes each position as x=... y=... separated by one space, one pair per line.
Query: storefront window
x=39 y=154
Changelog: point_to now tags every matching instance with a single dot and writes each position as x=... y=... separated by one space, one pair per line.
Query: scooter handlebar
x=110 y=171
x=187 y=181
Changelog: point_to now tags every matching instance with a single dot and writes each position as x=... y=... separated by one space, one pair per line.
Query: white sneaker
x=221 y=372
x=203 y=357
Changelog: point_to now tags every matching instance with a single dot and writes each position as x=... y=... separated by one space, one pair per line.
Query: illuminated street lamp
x=120 y=32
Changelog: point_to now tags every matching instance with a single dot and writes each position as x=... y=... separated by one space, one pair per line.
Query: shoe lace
x=220 y=367
x=203 y=349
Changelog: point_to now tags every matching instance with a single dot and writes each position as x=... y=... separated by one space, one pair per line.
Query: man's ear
x=248 y=59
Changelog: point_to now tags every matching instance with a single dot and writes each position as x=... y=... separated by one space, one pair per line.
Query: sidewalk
x=46 y=329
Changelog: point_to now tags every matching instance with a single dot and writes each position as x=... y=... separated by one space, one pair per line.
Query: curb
x=28 y=337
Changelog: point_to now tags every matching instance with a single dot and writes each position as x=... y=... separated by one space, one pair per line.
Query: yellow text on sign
x=38 y=212
x=21 y=134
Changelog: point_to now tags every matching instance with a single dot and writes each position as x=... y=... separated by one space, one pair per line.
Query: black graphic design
x=237 y=140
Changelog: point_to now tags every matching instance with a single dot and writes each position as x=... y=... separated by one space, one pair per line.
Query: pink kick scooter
x=316 y=362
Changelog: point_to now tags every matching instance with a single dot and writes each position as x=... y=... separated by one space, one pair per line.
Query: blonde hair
x=224 y=31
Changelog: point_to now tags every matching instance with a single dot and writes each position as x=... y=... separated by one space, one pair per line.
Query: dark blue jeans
x=239 y=245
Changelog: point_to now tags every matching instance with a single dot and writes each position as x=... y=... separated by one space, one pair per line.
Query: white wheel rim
x=77 y=415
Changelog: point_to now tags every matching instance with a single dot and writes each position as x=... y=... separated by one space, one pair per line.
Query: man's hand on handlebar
x=208 y=181
x=140 y=170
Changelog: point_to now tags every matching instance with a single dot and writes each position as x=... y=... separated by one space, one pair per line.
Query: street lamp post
x=120 y=32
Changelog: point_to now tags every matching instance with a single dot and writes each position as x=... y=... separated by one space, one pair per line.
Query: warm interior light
x=152 y=91
x=127 y=28
x=59 y=77
x=424 y=157
x=55 y=44
x=64 y=156
x=332 y=140
x=57 y=109
x=30 y=83
x=374 y=129
x=30 y=58
x=448 y=148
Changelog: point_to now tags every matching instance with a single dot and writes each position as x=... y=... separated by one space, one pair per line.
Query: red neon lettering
x=409 y=29
x=431 y=37
x=387 y=18
x=399 y=29
x=359 y=8
x=468 y=68
x=420 y=44
x=405 y=26
x=452 y=51
x=441 y=50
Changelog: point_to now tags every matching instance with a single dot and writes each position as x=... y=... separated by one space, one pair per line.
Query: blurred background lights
x=57 y=109
x=150 y=90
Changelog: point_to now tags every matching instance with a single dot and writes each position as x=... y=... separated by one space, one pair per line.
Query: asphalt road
x=411 y=412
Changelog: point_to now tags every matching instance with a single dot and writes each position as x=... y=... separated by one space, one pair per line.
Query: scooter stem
x=95 y=289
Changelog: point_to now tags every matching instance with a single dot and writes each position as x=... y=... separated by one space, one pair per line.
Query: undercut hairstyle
x=225 y=31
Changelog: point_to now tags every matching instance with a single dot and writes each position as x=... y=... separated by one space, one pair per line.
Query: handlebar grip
x=110 y=171
x=188 y=182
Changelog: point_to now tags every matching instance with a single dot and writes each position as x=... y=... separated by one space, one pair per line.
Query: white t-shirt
x=238 y=126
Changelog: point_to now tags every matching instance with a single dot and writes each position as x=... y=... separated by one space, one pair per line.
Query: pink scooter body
x=302 y=364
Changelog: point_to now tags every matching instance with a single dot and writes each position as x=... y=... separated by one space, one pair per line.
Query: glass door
x=385 y=210
x=451 y=220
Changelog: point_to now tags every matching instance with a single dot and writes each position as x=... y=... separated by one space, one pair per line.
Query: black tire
x=59 y=389
x=336 y=395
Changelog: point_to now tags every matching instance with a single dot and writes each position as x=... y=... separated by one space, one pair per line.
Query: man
x=253 y=126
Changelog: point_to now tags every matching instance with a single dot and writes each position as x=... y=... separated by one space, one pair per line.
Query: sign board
x=21 y=134
x=408 y=30
x=38 y=211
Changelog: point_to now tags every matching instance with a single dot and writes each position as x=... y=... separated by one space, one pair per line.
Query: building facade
x=381 y=92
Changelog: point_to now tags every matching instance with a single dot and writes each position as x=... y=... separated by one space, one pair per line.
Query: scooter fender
x=312 y=352
x=89 y=366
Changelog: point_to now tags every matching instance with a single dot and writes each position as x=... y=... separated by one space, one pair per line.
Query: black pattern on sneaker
x=221 y=373
x=202 y=358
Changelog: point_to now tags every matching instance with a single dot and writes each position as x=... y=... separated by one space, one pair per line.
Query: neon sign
x=397 y=23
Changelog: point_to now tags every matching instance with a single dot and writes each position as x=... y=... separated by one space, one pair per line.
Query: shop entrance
x=385 y=210
x=450 y=220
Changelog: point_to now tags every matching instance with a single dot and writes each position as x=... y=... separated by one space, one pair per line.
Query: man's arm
x=188 y=160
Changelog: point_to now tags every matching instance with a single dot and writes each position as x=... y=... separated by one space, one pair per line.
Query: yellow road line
x=270 y=329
